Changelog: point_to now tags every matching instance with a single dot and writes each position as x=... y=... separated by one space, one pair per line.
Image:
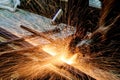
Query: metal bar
x=57 y=16
x=11 y=41
x=28 y=49
x=37 y=33
x=75 y=72
x=16 y=39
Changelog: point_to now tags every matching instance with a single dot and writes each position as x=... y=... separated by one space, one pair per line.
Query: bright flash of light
x=60 y=54
x=70 y=60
